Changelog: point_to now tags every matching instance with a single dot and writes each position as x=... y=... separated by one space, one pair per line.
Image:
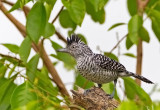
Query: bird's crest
x=73 y=38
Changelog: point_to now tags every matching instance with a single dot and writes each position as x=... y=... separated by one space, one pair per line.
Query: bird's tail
x=140 y=77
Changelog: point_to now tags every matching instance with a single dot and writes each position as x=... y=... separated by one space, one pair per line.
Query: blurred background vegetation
x=42 y=88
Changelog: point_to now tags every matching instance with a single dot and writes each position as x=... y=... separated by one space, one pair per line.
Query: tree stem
x=141 y=6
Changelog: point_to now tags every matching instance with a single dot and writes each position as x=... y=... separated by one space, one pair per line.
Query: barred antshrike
x=96 y=67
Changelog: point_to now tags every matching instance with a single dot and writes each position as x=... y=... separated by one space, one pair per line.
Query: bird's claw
x=86 y=91
x=110 y=96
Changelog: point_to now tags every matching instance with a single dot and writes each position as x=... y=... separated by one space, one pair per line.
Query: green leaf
x=144 y=35
x=19 y=4
x=12 y=47
x=130 y=55
x=36 y=21
x=116 y=25
x=98 y=4
x=51 y=2
x=154 y=4
x=155 y=16
x=128 y=105
x=25 y=49
x=132 y=89
x=111 y=55
x=156 y=28
x=49 y=30
x=76 y=9
x=22 y=95
x=129 y=43
x=48 y=8
x=32 y=67
x=108 y=88
x=69 y=61
x=82 y=37
x=82 y=82
x=11 y=71
x=132 y=7
x=3 y=70
x=134 y=26
x=45 y=83
x=7 y=87
x=65 y=20
x=98 y=16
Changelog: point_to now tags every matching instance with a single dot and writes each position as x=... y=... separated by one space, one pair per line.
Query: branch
x=43 y=54
x=118 y=43
x=8 y=56
x=57 y=14
x=94 y=99
x=60 y=37
x=141 y=6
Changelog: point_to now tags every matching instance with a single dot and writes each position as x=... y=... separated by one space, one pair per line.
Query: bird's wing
x=107 y=63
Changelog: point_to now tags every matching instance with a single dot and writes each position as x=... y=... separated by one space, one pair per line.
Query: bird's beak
x=63 y=50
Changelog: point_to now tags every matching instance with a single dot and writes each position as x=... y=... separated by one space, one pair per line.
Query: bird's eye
x=73 y=47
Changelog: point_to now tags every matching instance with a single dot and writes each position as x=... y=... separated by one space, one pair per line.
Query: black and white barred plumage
x=96 y=67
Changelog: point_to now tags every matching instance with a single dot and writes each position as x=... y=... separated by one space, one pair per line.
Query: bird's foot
x=86 y=91
x=110 y=96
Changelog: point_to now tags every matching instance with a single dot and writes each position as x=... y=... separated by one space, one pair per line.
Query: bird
x=95 y=67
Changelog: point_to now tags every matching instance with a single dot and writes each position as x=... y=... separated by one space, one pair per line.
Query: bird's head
x=75 y=47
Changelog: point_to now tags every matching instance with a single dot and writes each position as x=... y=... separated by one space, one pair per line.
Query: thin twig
x=8 y=56
x=60 y=37
x=118 y=43
x=57 y=14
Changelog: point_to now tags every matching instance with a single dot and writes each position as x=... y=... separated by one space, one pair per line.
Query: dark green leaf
x=7 y=87
x=111 y=55
x=154 y=4
x=134 y=26
x=49 y=30
x=22 y=95
x=32 y=67
x=116 y=25
x=25 y=49
x=132 y=7
x=82 y=82
x=19 y=4
x=36 y=21
x=156 y=28
x=144 y=35
x=132 y=89
x=65 y=20
x=129 y=44
x=12 y=47
x=98 y=16
x=155 y=16
x=128 y=105
x=98 y=4
x=76 y=9
x=130 y=55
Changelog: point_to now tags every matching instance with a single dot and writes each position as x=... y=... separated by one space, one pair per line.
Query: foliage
x=37 y=91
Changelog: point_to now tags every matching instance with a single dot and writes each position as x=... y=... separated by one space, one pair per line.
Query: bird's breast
x=92 y=72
